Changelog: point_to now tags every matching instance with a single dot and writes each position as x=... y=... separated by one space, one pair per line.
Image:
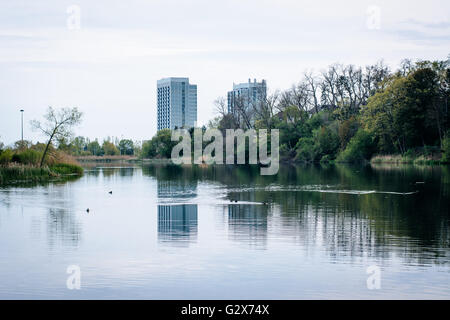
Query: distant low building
x=176 y=103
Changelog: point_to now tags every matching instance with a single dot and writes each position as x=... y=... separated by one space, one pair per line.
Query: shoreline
x=16 y=173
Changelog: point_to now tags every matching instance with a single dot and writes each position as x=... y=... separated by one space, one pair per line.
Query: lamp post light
x=21 y=112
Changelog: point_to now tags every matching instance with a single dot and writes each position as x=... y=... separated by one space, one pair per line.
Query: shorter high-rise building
x=176 y=103
x=246 y=94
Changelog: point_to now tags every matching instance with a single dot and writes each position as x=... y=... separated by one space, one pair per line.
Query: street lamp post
x=21 y=112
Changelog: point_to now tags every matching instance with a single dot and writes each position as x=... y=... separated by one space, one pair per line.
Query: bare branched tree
x=285 y=100
x=313 y=87
x=242 y=111
x=265 y=108
x=58 y=124
x=220 y=106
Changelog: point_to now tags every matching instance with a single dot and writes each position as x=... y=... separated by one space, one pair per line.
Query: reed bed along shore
x=21 y=172
x=403 y=159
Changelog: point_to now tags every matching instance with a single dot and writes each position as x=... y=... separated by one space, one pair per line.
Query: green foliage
x=94 y=148
x=399 y=111
x=323 y=141
x=66 y=169
x=306 y=150
x=327 y=142
x=57 y=125
x=82 y=146
x=14 y=173
x=326 y=159
x=347 y=130
x=24 y=164
x=109 y=149
x=359 y=148
x=160 y=146
x=126 y=147
x=35 y=174
x=406 y=113
x=6 y=156
x=79 y=145
x=446 y=149
x=28 y=156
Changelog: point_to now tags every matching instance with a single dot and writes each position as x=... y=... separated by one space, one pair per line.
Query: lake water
x=168 y=232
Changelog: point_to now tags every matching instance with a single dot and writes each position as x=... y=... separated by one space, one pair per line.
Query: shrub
x=391 y=158
x=446 y=149
x=6 y=156
x=28 y=156
x=327 y=141
x=66 y=168
x=359 y=148
x=306 y=150
x=325 y=159
x=159 y=146
x=410 y=154
x=110 y=149
x=19 y=172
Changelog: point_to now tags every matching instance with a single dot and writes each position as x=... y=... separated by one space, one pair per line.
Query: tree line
x=83 y=146
x=351 y=113
x=344 y=113
x=26 y=152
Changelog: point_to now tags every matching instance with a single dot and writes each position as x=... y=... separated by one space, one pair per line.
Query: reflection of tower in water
x=176 y=189
x=177 y=223
x=248 y=223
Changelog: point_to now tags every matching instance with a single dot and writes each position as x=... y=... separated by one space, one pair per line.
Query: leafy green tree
x=6 y=156
x=160 y=146
x=327 y=142
x=306 y=150
x=126 y=147
x=395 y=116
x=94 y=148
x=446 y=148
x=64 y=144
x=359 y=148
x=109 y=148
x=79 y=144
x=347 y=130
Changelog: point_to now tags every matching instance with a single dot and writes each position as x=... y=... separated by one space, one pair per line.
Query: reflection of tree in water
x=173 y=182
x=377 y=225
x=248 y=223
x=92 y=172
x=62 y=228
x=228 y=175
x=122 y=172
x=177 y=224
x=109 y=172
x=413 y=227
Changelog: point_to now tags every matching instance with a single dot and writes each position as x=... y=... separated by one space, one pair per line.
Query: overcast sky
x=108 y=67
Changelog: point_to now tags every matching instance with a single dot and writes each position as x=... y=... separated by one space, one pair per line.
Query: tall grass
x=405 y=159
x=394 y=158
x=24 y=166
x=66 y=169
x=23 y=172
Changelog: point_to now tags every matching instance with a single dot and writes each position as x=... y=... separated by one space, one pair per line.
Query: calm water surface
x=171 y=232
